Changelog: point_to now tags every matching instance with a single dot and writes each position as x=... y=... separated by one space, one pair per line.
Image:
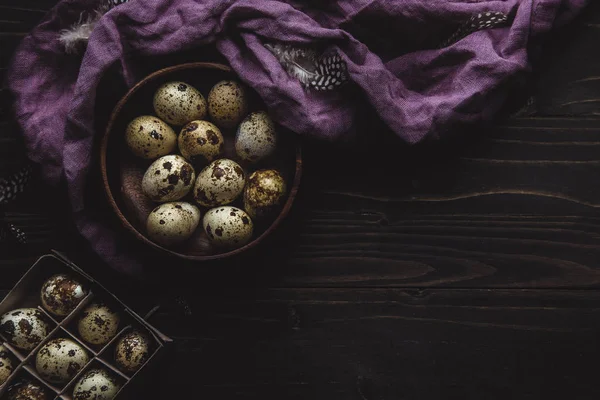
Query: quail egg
x=24 y=328
x=179 y=103
x=61 y=294
x=96 y=384
x=148 y=137
x=227 y=104
x=6 y=364
x=59 y=360
x=219 y=183
x=98 y=324
x=172 y=223
x=201 y=142
x=27 y=390
x=132 y=351
x=264 y=192
x=256 y=138
x=169 y=178
x=227 y=227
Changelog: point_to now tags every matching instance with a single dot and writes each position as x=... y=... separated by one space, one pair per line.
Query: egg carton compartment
x=121 y=380
x=8 y=359
x=30 y=362
x=22 y=354
x=98 y=324
x=108 y=355
x=19 y=378
x=26 y=293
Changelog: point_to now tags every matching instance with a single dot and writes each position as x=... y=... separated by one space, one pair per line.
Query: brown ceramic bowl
x=122 y=172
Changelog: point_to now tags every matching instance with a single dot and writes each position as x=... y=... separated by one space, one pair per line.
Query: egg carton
x=26 y=293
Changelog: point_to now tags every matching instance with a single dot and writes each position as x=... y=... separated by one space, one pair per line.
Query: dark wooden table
x=464 y=270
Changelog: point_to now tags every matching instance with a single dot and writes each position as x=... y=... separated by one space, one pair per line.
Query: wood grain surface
x=465 y=269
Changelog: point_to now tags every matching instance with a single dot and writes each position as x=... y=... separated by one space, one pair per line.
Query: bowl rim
x=139 y=235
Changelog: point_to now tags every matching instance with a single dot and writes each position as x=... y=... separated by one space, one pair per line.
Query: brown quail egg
x=148 y=137
x=201 y=142
x=172 y=223
x=179 y=103
x=98 y=324
x=227 y=227
x=6 y=364
x=61 y=294
x=227 y=104
x=264 y=192
x=132 y=351
x=96 y=384
x=59 y=360
x=256 y=138
x=28 y=390
x=219 y=183
x=24 y=328
x=169 y=178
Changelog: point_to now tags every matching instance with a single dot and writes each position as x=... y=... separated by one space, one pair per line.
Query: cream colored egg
x=6 y=364
x=24 y=328
x=227 y=104
x=172 y=223
x=148 y=137
x=61 y=294
x=256 y=138
x=96 y=384
x=132 y=351
x=169 y=178
x=201 y=142
x=219 y=183
x=98 y=324
x=228 y=227
x=28 y=390
x=59 y=360
x=179 y=103
x=264 y=193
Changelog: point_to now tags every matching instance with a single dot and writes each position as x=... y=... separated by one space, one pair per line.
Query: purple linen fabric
x=389 y=46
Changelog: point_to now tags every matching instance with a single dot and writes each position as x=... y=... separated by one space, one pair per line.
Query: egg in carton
x=62 y=334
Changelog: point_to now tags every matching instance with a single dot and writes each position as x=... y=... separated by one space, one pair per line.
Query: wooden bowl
x=122 y=172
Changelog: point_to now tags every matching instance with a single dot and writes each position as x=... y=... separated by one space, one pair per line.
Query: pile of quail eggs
x=190 y=176
x=60 y=359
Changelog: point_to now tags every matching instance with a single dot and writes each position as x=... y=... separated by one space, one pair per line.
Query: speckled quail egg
x=227 y=104
x=24 y=328
x=59 y=360
x=132 y=351
x=98 y=324
x=96 y=384
x=179 y=103
x=148 y=137
x=201 y=142
x=221 y=182
x=169 y=178
x=172 y=223
x=6 y=364
x=28 y=390
x=256 y=138
x=264 y=192
x=227 y=227
x=61 y=294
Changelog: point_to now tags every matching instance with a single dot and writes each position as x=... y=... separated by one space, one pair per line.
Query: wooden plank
x=386 y=344
x=566 y=80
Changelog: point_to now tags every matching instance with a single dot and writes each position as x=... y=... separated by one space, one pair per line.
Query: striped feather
x=11 y=234
x=318 y=72
x=485 y=20
x=11 y=186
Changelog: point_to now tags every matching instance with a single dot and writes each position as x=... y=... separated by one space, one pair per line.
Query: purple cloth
x=416 y=89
